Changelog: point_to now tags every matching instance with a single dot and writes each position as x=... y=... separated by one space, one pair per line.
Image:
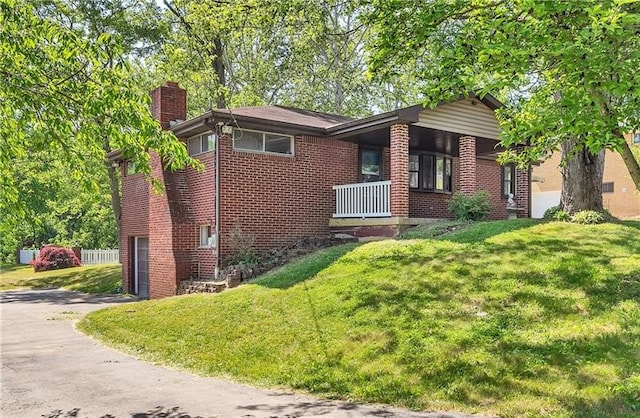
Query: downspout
x=216 y=271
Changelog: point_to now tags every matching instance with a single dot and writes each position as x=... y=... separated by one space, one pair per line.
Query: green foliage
x=89 y=279
x=556 y=213
x=301 y=53
x=72 y=96
x=588 y=217
x=241 y=247
x=541 y=320
x=470 y=208
x=551 y=61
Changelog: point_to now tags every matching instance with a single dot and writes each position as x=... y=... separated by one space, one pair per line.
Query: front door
x=141 y=271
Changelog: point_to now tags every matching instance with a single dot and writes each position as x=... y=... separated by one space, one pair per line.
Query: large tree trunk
x=581 y=179
x=632 y=163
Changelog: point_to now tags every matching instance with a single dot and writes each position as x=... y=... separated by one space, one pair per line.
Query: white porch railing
x=363 y=200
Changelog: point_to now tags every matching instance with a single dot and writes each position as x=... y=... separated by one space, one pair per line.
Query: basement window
x=206 y=236
x=201 y=143
x=266 y=142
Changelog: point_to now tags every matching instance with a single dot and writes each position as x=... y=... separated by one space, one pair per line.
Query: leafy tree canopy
x=569 y=69
x=70 y=96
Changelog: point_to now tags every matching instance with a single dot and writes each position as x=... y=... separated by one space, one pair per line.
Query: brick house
x=284 y=173
x=619 y=193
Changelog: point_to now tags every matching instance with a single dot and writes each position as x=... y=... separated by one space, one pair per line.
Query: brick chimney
x=169 y=103
x=172 y=228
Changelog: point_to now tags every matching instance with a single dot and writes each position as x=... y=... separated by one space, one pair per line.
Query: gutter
x=215 y=128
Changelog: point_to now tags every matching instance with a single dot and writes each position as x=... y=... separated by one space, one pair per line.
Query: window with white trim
x=508 y=180
x=206 y=236
x=201 y=143
x=258 y=141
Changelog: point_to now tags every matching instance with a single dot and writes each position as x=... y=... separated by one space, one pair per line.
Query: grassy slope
x=90 y=279
x=542 y=320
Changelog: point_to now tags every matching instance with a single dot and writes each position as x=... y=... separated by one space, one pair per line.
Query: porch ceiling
x=430 y=140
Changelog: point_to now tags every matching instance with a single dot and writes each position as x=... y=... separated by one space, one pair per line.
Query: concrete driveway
x=51 y=370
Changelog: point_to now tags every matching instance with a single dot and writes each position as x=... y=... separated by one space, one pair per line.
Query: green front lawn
x=516 y=319
x=104 y=278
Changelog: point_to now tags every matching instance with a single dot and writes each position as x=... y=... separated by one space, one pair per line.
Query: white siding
x=462 y=117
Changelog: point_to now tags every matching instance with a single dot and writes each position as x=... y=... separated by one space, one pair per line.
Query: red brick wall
x=434 y=205
x=399 y=169
x=523 y=191
x=171 y=232
x=135 y=220
x=278 y=199
x=468 y=162
x=168 y=103
x=489 y=178
x=489 y=175
x=202 y=186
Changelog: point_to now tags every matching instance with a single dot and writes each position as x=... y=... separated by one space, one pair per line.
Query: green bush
x=556 y=213
x=470 y=208
x=588 y=217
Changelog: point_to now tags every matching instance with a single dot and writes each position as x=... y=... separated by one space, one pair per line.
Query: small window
x=267 y=142
x=205 y=236
x=132 y=168
x=636 y=138
x=607 y=187
x=430 y=172
x=370 y=165
x=201 y=143
x=508 y=180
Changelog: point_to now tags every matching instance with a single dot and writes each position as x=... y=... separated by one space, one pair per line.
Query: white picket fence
x=99 y=257
x=27 y=255
x=89 y=257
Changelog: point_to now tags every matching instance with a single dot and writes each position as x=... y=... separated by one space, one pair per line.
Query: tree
x=73 y=97
x=570 y=69
x=301 y=53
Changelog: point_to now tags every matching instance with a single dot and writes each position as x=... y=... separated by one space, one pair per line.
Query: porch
x=411 y=161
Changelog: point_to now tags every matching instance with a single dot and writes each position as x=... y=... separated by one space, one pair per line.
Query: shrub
x=588 y=217
x=470 y=208
x=53 y=257
x=556 y=213
x=241 y=247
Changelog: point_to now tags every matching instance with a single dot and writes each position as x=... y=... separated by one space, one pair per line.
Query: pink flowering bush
x=52 y=257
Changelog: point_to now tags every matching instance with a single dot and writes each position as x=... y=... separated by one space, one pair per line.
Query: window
x=430 y=172
x=370 y=165
x=201 y=143
x=607 y=187
x=636 y=138
x=206 y=239
x=132 y=168
x=508 y=180
x=257 y=141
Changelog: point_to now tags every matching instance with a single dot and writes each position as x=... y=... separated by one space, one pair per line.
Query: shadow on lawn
x=495 y=357
x=104 y=280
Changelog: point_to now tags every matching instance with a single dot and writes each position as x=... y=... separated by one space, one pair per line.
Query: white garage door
x=542 y=201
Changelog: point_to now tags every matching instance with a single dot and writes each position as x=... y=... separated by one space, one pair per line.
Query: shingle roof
x=289 y=115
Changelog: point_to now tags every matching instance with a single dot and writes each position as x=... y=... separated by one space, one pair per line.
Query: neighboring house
x=286 y=173
x=619 y=193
